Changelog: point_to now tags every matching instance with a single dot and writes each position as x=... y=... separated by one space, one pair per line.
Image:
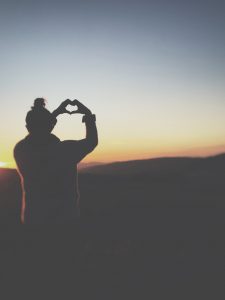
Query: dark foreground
x=154 y=254
x=148 y=230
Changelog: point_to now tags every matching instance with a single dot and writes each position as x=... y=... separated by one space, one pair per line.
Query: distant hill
x=116 y=188
x=153 y=166
x=84 y=165
x=161 y=166
x=7 y=174
x=10 y=196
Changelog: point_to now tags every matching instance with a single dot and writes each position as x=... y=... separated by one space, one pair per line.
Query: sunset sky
x=153 y=72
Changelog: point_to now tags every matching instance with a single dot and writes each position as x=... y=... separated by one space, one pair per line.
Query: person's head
x=39 y=120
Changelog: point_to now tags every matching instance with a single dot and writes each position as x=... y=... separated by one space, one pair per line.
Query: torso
x=49 y=182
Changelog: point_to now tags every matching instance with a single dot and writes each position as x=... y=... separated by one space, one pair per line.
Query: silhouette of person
x=48 y=166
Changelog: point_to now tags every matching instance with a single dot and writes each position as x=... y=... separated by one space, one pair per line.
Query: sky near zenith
x=153 y=72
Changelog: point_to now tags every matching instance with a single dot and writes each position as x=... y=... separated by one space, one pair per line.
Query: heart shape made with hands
x=71 y=108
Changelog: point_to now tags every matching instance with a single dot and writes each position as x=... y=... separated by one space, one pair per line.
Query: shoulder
x=20 y=145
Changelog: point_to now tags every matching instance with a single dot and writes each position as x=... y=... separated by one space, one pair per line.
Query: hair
x=39 y=119
x=39 y=103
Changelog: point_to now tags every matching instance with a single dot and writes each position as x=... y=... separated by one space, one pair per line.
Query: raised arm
x=82 y=147
x=91 y=139
x=88 y=144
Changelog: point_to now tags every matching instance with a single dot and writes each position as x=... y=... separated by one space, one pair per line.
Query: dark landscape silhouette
x=149 y=227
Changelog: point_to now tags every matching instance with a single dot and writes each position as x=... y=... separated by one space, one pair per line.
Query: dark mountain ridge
x=120 y=186
x=154 y=167
x=162 y=166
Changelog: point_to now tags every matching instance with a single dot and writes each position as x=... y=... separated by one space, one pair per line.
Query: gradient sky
x=153 y=72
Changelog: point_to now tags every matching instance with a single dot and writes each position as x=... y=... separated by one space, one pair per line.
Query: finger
x=65 y=111
x=67 y=101
x=81 y=105
x=75 y=102
x=75 y=112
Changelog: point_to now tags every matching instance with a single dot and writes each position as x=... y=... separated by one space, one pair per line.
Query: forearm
x=91 y=130
x=56 y=113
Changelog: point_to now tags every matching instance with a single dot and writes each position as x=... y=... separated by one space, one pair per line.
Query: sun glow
x=2 y=164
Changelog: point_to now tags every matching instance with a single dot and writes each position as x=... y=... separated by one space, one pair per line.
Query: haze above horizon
x=153 y=72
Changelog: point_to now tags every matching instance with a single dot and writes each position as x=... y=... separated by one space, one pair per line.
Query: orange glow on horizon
x=3 y=164
x=125 y=154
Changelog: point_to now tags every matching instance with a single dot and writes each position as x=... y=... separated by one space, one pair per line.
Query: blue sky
x=152 y=71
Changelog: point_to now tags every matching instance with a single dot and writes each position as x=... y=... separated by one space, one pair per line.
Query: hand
x=62 y=108
x=81 y=108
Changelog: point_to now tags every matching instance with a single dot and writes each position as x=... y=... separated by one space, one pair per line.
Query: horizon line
x=136 y=159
